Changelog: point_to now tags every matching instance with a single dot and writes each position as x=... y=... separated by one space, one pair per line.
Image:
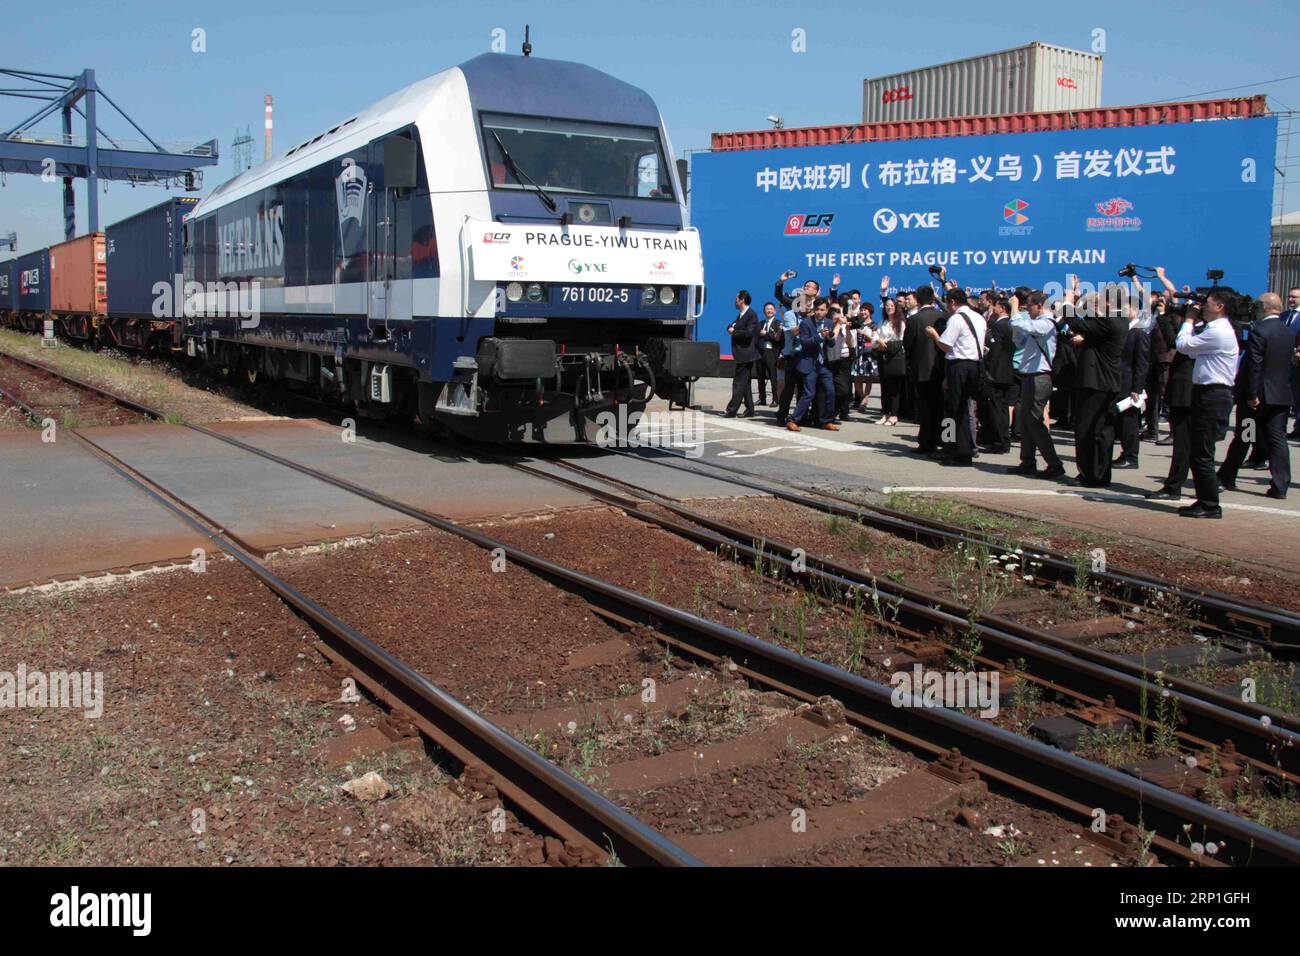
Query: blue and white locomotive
x=498 y=250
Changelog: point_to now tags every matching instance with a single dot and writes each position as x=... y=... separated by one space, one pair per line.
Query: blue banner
x=1008 y=209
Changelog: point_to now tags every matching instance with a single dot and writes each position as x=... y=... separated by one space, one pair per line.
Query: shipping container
x=34 y=284
x=79 y=284
x=1151 y=114
x=144 y=250
x=1029 y=79
x=8 y=286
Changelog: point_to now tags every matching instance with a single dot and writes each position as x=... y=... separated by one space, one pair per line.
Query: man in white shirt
x=962 y=343
x=1215 y=351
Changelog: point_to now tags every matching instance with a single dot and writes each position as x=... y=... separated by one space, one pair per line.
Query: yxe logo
x=578 y=268
x=887 y=220
x=809 y=224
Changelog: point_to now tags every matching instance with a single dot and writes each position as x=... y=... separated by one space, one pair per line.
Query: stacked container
x=1028 y=79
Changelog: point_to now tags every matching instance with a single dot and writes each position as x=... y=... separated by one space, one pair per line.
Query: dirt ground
x=215 y=745
x=153 y=381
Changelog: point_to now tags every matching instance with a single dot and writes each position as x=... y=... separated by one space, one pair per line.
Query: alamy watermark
x=72 y=690
x=214 y=300
x=681 y=431
x=957 y=690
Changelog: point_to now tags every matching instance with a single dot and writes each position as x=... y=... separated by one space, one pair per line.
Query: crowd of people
x=998 y=368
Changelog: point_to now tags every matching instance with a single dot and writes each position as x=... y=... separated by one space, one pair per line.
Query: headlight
x=648 y=295
x=535 y=292
x=667 y=295
x=514 y=292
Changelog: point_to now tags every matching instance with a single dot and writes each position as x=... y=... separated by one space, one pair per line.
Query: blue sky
x=710 y=64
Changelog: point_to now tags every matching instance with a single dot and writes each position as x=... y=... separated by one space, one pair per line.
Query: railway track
x=1274 y=628
x=1107 y=690
x=964 y=746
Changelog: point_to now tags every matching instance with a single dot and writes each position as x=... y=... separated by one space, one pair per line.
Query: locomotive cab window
x=569 y=156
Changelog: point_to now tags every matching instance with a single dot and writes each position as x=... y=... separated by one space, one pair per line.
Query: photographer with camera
x=1215 y=351
x=1177 y=394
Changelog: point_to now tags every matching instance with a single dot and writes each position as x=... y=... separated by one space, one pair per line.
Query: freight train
x=498 y=251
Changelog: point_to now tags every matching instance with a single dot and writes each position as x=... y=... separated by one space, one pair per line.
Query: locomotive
x=498 y=250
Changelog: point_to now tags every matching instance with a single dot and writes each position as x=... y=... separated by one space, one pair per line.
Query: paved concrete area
x=64 y=512
x=865 y=456
x=398 y=464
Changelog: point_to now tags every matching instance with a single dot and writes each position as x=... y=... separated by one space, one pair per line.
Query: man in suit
x=1034 y=332
x=1291 y=319
x=818 y=395
x=1135 y=366
x=925 y=369
x=1000 y=362
x=770 y=339
x=789 y=355
x=1162 y=357
x=1215 y=351
x=1178 y=398
x=802 y=301
x=744 y=355
x=1163 y=354
x=1098 y=328
x=962 y=345
x=1264 y=395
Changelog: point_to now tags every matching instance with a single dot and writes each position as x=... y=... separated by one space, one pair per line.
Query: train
x=499 y=251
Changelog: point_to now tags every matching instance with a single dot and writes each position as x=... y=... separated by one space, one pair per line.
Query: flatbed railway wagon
x=146 y=266
x=79 y=286
x=499 y=251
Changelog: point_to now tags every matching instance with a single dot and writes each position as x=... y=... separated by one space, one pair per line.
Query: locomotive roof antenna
x=528 y=47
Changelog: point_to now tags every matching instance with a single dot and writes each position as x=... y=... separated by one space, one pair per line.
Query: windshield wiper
x=520 y=174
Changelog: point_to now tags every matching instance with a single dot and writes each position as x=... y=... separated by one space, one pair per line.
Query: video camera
x=1134 y=271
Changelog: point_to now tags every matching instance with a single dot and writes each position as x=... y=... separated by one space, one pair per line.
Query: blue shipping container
x=144 y=250
x=34 y=282
x=8 y=285
x=1010 y=209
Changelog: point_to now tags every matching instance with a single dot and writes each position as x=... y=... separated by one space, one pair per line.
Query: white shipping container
x=1029 y=79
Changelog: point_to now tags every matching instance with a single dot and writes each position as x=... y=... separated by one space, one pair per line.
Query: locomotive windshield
x=568 y=156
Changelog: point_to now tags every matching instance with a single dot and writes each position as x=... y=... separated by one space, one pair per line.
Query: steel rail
x=1271 y=626
x=559 y=801
x=1024 y=764
x=1270 y=716
x=1018 y=762
x=1257 y=734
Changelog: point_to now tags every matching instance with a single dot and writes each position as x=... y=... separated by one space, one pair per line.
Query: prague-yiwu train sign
x=1011 y=209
